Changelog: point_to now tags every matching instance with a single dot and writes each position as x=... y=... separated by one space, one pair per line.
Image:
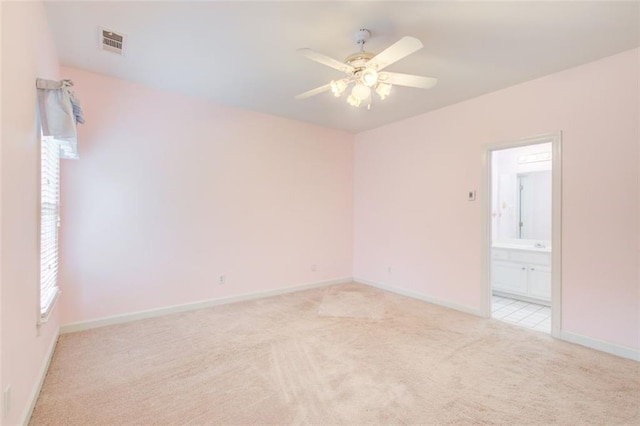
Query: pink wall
x=170 y=192
x=1 y=381
x=27 y=53
x=411 y=180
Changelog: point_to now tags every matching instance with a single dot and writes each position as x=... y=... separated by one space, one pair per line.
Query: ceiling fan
x=365 y=70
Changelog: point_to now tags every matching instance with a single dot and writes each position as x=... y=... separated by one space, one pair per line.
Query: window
x=49 y=223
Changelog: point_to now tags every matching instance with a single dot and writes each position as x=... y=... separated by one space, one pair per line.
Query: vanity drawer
x=499 y=254
x=530 y=257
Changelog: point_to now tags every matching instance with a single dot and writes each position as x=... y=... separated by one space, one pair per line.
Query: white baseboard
x=33 y=397
x=419 y=296
x=151 y=313
x=618 y=350
x=621 y=351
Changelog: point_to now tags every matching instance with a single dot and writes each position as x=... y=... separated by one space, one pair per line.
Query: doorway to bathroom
x=523 y=233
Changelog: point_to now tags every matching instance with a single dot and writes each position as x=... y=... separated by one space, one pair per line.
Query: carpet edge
x=192 y=306
x=566 y=336
x=35 y=392
x=424 y=298
x=600 y=345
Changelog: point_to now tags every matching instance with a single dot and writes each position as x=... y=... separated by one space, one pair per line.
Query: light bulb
x=369 y=77
x=353 y=101
x=383 y=90
x=360 y=91
x=337 y=87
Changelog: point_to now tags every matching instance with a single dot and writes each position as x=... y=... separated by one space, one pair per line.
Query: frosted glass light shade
x=369 y=77
x=353 y=101
x=337 y=87
x=361 y=92
x=383 y=90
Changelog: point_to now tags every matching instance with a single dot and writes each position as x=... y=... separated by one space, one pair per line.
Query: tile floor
x=530 y=315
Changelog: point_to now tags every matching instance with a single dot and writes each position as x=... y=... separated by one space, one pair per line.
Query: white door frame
x=556 y=222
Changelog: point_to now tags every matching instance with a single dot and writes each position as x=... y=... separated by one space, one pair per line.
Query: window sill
x=44 y=316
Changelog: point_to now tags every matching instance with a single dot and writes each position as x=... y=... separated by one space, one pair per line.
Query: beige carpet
x=315 y=357
x=352 y=302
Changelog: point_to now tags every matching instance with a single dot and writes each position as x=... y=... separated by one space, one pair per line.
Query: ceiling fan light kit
x=363 y=69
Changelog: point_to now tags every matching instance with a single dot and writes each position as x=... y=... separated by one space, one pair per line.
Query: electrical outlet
x=6 y=402
x=389 y=269
x=314 y=267
x=223 y=279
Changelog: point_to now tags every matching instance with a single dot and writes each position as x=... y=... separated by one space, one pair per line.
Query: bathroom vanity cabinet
x=522 y=273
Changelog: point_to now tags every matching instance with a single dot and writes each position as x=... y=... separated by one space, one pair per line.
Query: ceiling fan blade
x=313 y=92
x=408 y=80
x=325 y=60
x=398 y=50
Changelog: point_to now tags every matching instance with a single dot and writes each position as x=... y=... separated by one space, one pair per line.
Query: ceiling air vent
x=111 y=41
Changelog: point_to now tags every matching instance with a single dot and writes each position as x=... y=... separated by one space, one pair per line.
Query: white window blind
x=49 y=222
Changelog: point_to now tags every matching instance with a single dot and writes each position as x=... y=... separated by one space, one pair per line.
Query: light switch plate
x=471 y=195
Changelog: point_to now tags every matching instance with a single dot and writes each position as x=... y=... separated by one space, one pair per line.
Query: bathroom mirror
x=521 y=195
x=534 y=205
x=523 y=209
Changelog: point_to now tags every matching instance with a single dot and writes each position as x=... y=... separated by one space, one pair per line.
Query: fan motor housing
x=358 y=60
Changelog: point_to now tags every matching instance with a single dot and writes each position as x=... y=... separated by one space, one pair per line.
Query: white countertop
x=512 y=246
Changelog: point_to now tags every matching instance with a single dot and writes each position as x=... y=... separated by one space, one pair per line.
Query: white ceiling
x=244 y=53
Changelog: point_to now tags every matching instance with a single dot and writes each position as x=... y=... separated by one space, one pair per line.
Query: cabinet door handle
x=524 y=269
x=533 y=269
